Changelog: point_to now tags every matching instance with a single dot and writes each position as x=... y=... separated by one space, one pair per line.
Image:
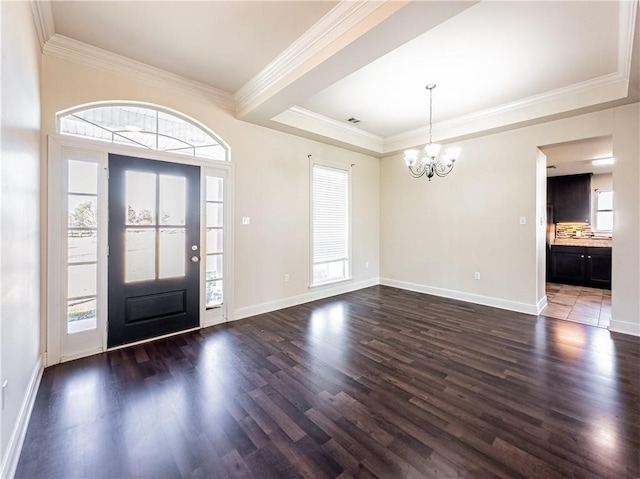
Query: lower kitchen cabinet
x=599 y=267
x=580 y=265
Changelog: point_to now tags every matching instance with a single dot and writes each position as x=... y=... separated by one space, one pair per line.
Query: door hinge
x=107 y=170
x=107 y=250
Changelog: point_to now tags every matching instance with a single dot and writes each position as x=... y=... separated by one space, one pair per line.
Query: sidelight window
x=82 y=245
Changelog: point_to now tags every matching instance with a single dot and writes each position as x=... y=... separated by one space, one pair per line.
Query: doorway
x=154 y=248
x=579 y=231
x=87 y=183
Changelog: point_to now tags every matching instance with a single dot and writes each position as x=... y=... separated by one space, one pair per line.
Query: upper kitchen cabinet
x=570 y=197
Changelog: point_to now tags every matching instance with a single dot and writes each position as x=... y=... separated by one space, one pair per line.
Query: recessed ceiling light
x=354 y=120
x=602 y=162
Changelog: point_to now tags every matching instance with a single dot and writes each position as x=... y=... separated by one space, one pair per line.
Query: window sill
x=329 y=283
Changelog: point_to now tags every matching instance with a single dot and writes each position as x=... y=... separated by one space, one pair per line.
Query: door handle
x=195 y=259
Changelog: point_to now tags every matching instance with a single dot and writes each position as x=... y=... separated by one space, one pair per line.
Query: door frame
x=54 y=294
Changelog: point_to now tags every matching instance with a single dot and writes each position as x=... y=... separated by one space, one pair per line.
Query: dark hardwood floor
x=376 y=383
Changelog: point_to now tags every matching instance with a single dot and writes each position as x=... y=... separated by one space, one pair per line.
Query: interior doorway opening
x=579 y=230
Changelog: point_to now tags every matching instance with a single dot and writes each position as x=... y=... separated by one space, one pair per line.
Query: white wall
x=20 y=222
x=435 y=235
x=271 y=185
x=625 y=294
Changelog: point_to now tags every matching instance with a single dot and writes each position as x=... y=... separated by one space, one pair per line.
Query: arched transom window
x=143 y=126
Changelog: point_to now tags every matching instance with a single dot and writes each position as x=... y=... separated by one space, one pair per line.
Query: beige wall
x=435 y=235
x=625 y=295
x=19 y=219
x=271 y=184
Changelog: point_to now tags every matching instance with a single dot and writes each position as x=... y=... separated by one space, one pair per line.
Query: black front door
x=154 y=248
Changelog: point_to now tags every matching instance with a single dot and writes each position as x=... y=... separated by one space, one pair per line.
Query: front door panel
x=154 y=248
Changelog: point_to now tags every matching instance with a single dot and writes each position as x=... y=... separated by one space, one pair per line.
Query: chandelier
x=430 y=164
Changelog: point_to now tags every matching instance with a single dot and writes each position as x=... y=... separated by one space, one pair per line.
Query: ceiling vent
x=354 y=120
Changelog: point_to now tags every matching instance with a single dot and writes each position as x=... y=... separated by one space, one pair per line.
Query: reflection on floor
x=579 y=304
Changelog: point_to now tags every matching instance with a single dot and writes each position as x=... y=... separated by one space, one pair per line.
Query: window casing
x=604 y=211
x=331 y=219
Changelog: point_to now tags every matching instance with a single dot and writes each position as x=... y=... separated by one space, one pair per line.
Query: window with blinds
x=330 y=209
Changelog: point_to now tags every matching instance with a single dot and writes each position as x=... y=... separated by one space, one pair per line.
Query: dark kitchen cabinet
x=599 y=266
x=570 y=197
x=586 y=266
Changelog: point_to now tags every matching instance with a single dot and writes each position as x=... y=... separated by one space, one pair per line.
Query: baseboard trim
x=468 y=297
x=541 y=305
x=14 y=448
x=317 y=293
x=624 y=327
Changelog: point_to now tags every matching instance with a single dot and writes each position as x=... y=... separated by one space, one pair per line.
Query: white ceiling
x=219 y=43
x=490 y=54
x=575 y=157
x=307 y=66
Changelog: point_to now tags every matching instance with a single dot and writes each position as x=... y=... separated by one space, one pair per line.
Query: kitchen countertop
x=600 y=242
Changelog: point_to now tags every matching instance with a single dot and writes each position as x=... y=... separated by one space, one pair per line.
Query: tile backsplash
x=572 y=230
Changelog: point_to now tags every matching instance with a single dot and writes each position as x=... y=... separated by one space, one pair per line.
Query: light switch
x=523 y=220
x=246 y=220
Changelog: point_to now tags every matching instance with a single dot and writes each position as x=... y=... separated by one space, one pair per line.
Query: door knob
x=195 y=259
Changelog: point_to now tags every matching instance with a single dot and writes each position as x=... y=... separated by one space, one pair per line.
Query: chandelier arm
x=443 y=170
x=418 y=172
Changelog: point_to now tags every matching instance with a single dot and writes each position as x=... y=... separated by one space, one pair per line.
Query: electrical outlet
x=523 y=220
x=246 y=220
x=287 y=278
x=476 y=275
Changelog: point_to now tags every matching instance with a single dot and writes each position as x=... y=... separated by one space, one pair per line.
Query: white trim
x=43 y=19
x=319 y=293
x=624 y=327
x=308 y=48
x=149 y=106
x=605 y=88
x=310 y=121
x=16 y=441
x=541 y=305
x=68 y=49
x=626 y=29
x=499 y=303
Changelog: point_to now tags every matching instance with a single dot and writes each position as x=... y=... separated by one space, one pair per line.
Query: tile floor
x=579 y=304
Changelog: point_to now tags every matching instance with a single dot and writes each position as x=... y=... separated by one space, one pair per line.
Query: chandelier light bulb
x=410 y=157
x=432 y=150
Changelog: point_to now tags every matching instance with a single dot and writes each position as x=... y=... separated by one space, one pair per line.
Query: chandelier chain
x=430 y=115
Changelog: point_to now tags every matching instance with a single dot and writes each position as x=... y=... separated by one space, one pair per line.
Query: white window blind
x=330 y=213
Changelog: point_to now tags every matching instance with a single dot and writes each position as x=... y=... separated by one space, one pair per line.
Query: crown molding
x=43 y=19
x=626 y=30
x=537 y=102
x=313 y=122
x=313 y=47
x=66 y=48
